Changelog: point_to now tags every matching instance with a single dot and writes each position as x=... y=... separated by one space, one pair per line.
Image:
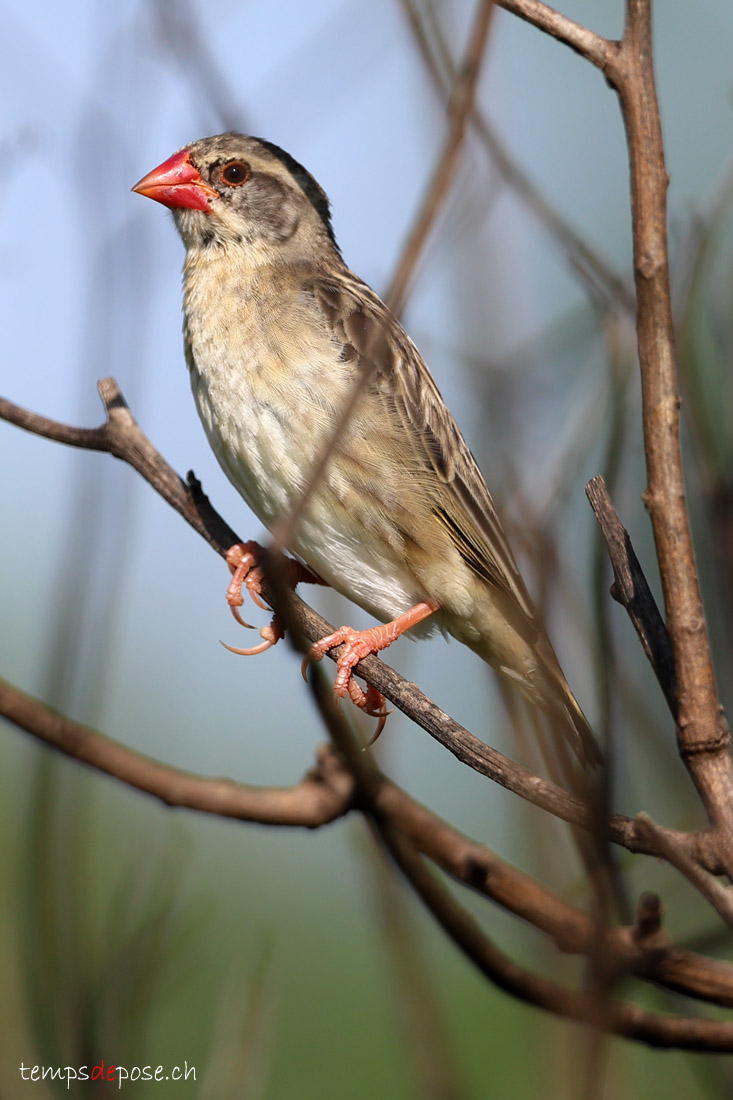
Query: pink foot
x=243 y=559
x=358 y=644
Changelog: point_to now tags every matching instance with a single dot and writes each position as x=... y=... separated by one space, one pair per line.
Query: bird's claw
x=357 y=644
x=242 y=559
x=271 y=635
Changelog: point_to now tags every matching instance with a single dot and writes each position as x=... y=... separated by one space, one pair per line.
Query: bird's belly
x=267 y=448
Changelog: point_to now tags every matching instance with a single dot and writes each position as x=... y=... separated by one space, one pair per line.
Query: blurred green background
x=269 y=959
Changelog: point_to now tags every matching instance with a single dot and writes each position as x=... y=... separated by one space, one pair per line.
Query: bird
x=279 y=334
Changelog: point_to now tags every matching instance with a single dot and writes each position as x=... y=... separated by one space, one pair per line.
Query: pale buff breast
x=269 y=386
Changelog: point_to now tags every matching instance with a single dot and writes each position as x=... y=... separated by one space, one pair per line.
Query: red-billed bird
x=278 y=331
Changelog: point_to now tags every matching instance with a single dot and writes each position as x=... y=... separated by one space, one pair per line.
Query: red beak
x=176 y=183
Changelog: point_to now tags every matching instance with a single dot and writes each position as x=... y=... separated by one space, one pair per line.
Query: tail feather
x=564 y=707
x=528 y=660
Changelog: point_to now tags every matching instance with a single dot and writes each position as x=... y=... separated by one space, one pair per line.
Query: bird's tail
x=564 y=712
x=528 y=661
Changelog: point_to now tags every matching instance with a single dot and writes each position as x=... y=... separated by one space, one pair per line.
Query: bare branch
x=640 y=949
x=686 y=1033
x=703 y=736
x=719 y=896
x=122 y=437
x=632 y=591
x=323 y=795
x=623 y=1019
x=592 y=46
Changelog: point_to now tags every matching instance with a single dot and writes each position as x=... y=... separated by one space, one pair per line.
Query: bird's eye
x=235 y=173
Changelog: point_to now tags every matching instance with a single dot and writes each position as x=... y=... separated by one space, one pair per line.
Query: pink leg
x=360 y=643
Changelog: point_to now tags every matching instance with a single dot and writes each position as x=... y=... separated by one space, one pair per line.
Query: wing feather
x=371 y=334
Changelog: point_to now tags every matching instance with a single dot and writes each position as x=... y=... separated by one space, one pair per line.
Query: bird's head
x=237 y=190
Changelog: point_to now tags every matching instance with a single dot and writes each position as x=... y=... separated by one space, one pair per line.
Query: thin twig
x=604 y=284
x=631 y=590
x=460 y=107
x=186 y=43
x=423 y=1024
x=719 y=896
x=323 y=795
x=122 y=437
x=593 y=47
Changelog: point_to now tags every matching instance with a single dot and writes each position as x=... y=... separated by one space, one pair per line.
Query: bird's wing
x=367 y=330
